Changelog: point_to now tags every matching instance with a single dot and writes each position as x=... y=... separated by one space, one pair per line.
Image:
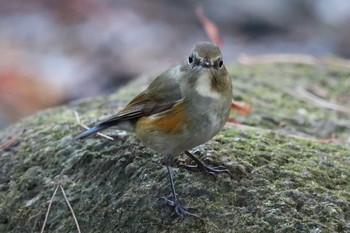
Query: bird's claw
x=200 y=166
x=180 y=210
x=213 y=171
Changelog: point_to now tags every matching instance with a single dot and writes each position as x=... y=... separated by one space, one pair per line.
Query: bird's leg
x=179 y=208
x=200 y=166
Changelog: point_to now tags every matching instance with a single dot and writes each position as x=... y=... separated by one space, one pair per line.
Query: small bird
x=182 y=108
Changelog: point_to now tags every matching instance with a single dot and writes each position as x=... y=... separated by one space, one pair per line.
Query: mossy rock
x=284 y=179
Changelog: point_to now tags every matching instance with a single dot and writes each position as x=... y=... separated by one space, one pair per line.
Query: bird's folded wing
x=142 y=105
x=162 y=94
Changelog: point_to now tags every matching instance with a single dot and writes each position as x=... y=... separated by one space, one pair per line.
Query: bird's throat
x=204 y=88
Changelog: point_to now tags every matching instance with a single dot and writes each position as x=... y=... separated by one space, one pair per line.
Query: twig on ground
x=303 y=94
x=48 y=210
x=85 y=127
x=71 y=209
x=69 y=205
x=230 y=125
x=11 y=141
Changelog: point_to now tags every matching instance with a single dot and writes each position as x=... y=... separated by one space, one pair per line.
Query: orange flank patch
x=170 y=121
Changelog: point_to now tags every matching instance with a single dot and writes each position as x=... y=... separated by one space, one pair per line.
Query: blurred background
x=53 y=52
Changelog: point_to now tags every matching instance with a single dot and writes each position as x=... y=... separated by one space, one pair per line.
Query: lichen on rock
x=285 y=180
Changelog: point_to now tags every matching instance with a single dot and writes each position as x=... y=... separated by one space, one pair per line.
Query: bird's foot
x=202 y=167
x=180 y=210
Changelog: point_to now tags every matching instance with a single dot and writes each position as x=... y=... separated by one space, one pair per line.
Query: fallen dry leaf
x=241 y=107
x=22 y=94
x=233 y=120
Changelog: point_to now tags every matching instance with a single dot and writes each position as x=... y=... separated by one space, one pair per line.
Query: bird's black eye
x=221 y=64
x=190 y=60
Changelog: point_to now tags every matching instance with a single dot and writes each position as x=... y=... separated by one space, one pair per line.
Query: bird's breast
x=180 y=128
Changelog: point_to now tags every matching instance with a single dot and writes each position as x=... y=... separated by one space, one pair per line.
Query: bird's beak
x=206 y=64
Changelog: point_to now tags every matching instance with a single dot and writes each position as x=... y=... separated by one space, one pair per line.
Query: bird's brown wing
x=162 y=94
x=141 y=105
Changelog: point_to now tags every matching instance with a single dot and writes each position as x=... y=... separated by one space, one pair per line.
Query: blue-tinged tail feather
x=93 y=130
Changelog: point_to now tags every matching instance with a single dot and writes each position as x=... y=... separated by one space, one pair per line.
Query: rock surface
x=285 y=179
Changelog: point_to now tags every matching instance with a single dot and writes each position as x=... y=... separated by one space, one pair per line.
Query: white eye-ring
x=221 y=64
x=190 y=60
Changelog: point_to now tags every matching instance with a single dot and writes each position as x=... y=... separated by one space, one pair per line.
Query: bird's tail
x=93 y=130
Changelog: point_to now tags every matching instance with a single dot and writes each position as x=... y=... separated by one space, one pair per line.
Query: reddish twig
x=209 y=27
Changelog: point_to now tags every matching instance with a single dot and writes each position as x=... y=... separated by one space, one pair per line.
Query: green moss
x=280 y=183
